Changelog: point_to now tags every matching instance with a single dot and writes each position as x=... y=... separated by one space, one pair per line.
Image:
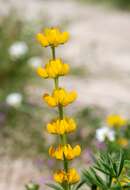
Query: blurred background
x=99 y=55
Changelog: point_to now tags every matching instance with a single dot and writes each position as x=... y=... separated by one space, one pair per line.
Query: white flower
x=105 y=132
x=18 y=49
x=35 y=62
x=14 y=99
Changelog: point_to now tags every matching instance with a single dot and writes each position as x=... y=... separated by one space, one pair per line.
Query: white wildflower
x=35 y=62
x=18 y=49
x=105 y=132
x=14 y=99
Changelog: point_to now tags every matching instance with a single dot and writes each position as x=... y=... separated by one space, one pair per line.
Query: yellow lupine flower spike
x=52 y=37
x=53 y=69
x=71 y=177
x=66 y=125
x=60 y=97
x=116 y=121
x=66 y=150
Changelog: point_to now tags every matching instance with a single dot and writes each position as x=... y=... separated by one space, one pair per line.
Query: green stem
x=53 y=52
x=56 y=82
x=69 y=187
x=66 y=186
x=61 y=116
x=65 y=164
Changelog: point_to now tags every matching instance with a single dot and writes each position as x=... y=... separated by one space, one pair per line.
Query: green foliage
x=122 y=4
x=106 y=169
x=59 y=187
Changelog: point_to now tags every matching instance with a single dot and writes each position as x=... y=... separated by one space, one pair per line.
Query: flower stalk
x=59 y=98
x=61 y=113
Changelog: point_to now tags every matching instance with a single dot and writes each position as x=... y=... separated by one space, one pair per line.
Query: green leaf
x=89 y=178
x=127 y=163
x=79 y=185
x=55 y=186
x=112 y=166
x=102 y=170
x=93 y=179
x=100 y=180
x=121 y=163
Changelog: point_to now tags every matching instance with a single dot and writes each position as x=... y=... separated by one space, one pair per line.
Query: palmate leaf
x=112 y=166
x=88 y=178
x=106 y=165
x=91 y=178
x=102 y=170
x=54 y=186
x=101 y=181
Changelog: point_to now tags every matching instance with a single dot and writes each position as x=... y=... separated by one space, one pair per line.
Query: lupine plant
x=59 y=98
x=109 y=172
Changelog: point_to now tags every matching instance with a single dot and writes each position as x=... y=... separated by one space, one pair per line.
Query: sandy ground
x=100 y=43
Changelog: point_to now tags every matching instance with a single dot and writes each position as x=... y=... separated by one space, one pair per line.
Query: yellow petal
x=42 y=39
x=49 y=100
x=42 y=72
x=77 y=150
x=51 y=151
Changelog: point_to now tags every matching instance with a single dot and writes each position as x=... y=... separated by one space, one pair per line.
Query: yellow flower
x=60 y=176
x=62 y=126
x=70 y=177
x=124 y=181
x=42 y=39
x=52 y=37
x=60 y=97
x=122 y=142
x=53 y=69
x=66 y=150
x=116 y=121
